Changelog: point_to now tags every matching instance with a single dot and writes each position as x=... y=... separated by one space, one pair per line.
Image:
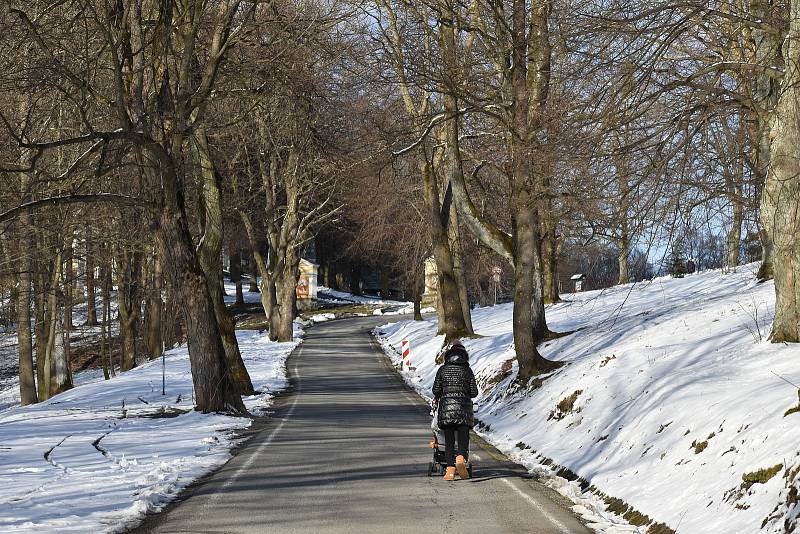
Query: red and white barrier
x=406 y=350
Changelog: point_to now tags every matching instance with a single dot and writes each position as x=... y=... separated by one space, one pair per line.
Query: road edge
x=526 y=477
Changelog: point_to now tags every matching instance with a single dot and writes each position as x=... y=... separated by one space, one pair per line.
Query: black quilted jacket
x=454 y=388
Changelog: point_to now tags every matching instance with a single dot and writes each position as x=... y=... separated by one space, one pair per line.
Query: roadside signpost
x=163 y=368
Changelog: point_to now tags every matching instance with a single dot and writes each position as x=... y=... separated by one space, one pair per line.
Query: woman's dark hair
x=456 y=353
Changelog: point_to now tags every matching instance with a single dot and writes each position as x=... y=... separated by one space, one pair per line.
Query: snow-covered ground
x=328 y=298
x=80 y=335
x=9 y=369
x=672 y=400
x=332 y=296
x=98 y=457
x=344 y=297
x=230 y=293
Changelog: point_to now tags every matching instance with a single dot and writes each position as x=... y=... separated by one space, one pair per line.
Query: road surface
x=346 y=451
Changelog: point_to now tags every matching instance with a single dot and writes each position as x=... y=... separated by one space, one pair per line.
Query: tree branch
x=88 y=198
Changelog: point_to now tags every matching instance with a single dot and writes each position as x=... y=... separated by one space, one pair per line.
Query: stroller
x=439 y=463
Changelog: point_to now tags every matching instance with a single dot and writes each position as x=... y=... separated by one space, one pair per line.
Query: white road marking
x=246 y=465
x=533 y=501
x=537 y=505
x=378 y=351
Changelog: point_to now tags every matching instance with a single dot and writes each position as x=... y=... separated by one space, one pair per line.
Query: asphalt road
x=346 y=451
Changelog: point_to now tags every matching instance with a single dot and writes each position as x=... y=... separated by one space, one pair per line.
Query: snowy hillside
x=673 y=402
x=99 y=456
x=81 y=335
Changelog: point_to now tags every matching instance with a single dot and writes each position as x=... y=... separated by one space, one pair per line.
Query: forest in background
x=141 y=140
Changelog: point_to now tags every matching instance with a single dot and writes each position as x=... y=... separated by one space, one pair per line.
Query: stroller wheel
x=431 y=468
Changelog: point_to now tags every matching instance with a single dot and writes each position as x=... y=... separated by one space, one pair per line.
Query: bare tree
x=420 y=107
x=143 y=72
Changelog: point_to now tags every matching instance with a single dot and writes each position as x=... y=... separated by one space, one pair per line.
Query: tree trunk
x=239 y=375
x=214 y=391
x=41 y=332
x=253 y=278
x=55 y=373
x=451 y=320
x=529 y=95
x=549 y=238
x=8 y=312
x=766 y=270
x=91 y=304
x=780 y=214
x=417 y=298
x=325 y=270
x=268 y=293
x=417 y=288
x=19 y=307
x=221 y=276
x=174 y=329
x=69 y=281
x=227 y=331
x=269 y=301
x=209 y=254
x=623 y=244
x=236 y=275
x=106 y=296
x=355 y=279
x=60 y=375
x=66 y=383
x=341 y=278
x=550 y=272
x=154 y=309
x=453 y=231
x=129 y=305
x=622 y=262
x=528 y=313
x=550 y=264
x=286 y=286
x=734 y=237
x=384 y=284
x=239 y=294
x=767 y=53
x=27 y=383
x=105 y=333
x=284 y=254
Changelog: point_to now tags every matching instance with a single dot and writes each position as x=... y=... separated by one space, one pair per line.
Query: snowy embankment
x=672 y=401
x=98 y=457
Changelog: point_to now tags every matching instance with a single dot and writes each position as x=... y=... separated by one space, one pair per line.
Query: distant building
x=431 y=283
x=578 y=280
x=307 y=282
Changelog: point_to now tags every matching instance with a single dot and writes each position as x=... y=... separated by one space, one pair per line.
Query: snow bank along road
x=346 y=452
x=671 y=400
x=96 y=458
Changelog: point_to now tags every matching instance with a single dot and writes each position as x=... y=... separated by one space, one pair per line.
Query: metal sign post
x=163 y=369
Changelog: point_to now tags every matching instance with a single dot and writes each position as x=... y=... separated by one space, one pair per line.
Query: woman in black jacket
x=453 y=391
